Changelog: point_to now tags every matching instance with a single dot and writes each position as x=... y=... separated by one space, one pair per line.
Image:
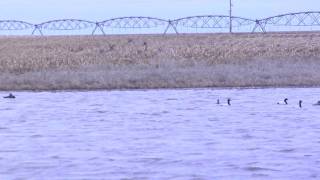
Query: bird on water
x=229 y=102
x=285 y=102
x=11 y=96
x=300 y=103
x=317 y=104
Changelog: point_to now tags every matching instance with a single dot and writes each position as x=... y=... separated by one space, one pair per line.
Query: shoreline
x=162 y=89
x=271 y=60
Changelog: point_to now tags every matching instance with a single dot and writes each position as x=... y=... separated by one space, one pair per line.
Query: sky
x=36 y=11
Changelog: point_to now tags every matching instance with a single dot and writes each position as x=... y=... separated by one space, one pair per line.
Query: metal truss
x=132 y=22
x=12 y=25
x=64 y=25
x=310 y=18
x=212 y=21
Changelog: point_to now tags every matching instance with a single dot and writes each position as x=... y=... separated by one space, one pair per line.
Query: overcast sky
x=35 y=11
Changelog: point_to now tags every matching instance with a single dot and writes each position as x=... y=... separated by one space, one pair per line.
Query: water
x=160 y=134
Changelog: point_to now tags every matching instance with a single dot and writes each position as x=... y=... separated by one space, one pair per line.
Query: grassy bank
x=155 y=61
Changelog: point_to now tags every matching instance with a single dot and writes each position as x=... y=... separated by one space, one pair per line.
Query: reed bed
x=156 y=61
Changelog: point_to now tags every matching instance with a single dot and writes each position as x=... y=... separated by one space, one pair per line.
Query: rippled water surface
x=160 y=134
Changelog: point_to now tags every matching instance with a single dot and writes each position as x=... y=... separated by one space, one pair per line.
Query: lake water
x=160 y=134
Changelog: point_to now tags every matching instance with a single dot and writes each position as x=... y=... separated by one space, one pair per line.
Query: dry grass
x=155 y=61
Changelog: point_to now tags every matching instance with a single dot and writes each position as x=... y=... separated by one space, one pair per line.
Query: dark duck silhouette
x=229 y=102
x=11 y=96
x=317 y=104
x=285 y=102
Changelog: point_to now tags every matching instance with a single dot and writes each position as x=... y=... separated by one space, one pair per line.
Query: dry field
x=156 y=61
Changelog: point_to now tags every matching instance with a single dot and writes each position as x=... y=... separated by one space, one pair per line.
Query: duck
x=229 y=102
x=11 y=96
x=317 y=104
x=285 y=102
x=300 y=103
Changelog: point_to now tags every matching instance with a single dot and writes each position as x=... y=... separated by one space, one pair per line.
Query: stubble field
x=157 y=61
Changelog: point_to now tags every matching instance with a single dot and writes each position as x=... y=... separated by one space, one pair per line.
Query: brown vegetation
x=156 y=61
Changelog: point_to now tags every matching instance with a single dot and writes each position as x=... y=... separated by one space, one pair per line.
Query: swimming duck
x=285 y=102
x=317 y=104
x=11 y=96
x=229 y=102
